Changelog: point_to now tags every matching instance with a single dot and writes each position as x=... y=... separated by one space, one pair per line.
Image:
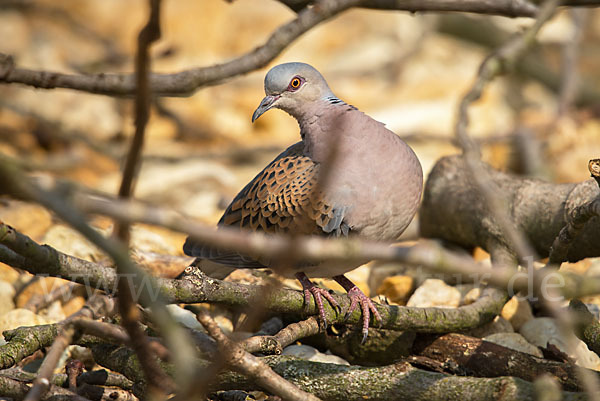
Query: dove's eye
x=295 y=83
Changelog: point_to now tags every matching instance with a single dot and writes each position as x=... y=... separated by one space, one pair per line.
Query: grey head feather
x=278 y=78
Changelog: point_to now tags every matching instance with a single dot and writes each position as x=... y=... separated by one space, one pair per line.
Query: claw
x=367 y=306
x=318 y=294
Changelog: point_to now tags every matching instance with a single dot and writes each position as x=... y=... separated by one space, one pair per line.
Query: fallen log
x=480 y=358
x=453 y=210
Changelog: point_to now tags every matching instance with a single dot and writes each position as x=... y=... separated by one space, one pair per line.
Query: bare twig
x=241 y=361
x=186 y=82
x=64 y=338
x=507 y=8
x=494 y=65
x=158 y=381
x=39 y=302
x=276 y=343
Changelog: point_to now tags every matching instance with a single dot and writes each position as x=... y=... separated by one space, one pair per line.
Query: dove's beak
x=264 y=105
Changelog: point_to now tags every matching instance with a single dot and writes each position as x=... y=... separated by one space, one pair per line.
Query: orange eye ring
x=295 y=83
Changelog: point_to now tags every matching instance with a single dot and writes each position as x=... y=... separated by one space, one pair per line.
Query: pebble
x=517 y=312
x=17 y=318
x=397 y=288
x=498 y=325
x=7 y=292
x=312 y=354
x=514 y=341
x=434 y=292
x=542 y=331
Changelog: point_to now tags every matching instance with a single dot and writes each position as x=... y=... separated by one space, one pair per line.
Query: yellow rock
x=42 y=286
x=333 y=285
x=517 y=312
x=8 y=273
x=397 y=288
x=17 y=318
x=471 y=296
x=27 y=218
x=69 y=241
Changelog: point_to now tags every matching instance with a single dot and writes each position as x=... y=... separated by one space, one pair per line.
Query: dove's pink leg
x=317 y=292
x=358 y=297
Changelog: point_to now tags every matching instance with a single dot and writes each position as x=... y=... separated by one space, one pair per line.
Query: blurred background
x=406 y=70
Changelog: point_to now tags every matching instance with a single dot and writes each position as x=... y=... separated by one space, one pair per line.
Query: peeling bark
x=476 y=357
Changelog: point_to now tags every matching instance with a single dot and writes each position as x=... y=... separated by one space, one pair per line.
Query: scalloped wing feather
x=281 y=198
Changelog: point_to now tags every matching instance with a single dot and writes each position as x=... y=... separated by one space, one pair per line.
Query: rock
x=514 y=341
x=27 y=218
x=542 y=331
x=517 y=312
x=41 y=286
x=147 y=239
x=17 y=318
x=498 y=325
x=397 y=288
x=8 y=273
x=69 y=241
x=358 y=276
x=471 y=296
x=436 y=293
x=185 y=317
x=224 y=323
x=312 y=354
x=53 y=313
x=7 y=292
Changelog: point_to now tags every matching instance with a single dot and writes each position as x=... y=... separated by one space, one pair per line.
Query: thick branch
x=453 y=211
x=205 y=289
x=333 y=382
x=480 y=358
x=587 y=327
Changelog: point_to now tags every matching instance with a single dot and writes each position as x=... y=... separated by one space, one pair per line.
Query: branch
x=507 y=8
x=250 y=366
x=17 y=390
x=587 y=327
x=399 y=381
x=201 y=288
x=22 y=343
x=494 y=65
x=158 y=382
x=538 y=208
x=184 y=83
x=473 y=355
x=576 y=221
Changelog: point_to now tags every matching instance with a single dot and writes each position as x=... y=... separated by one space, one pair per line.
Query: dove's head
x=292 y=87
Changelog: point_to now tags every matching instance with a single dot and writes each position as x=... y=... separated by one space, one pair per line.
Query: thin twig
x=184 y=83
x=494 y=65
x=241 y=361
x=39 y=302
x=158 y=381
x=276 y=343
x=65 y=337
